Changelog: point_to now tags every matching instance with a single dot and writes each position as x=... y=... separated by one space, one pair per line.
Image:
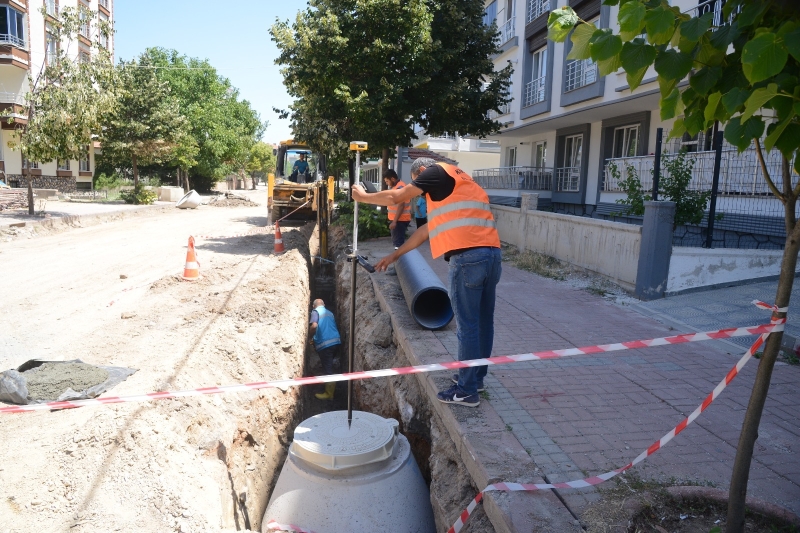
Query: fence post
x=657 y=162
x=712 y=208
x=655 y=250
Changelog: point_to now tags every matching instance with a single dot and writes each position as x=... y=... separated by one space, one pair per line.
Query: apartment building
x=25 y=45
x=567 y=127
x=470 y=152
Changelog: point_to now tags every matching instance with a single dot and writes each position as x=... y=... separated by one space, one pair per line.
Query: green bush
x=371 y=222
x=138 y=195
x=114 y=181
x=632 y=186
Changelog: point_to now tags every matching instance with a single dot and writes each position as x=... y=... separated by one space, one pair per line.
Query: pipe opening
x=431 y=308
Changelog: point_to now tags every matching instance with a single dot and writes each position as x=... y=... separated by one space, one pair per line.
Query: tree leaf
x=673 y=65
x=792 y=42
x=763 y=57
x=669 y=104
x=751 y=13
x=725 y=35
x=695 y=27
x=635 y=77
x=609 y=66
x=789 y=141
x=711 y=109
x=694 y=122
x=704 y=80
x=660 y=24
x=734 y=99
x=757 y=100
x=678 y=129
x=605 y=45
x=636 y=55
x=631 y=19
x=581 y=41
x=740 y=135
x=560 y=23
x=666 y=85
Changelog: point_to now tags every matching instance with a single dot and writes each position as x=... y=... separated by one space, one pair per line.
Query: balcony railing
x=739 y=175
x=505 y=109
x=534 y=91
x=536 y=8
x=104 y=3
x=12 y=98
x=7 y=38
x=507 y=31
x=520 y=178
x=568 y=179
x=714 y=6
x=579 y=74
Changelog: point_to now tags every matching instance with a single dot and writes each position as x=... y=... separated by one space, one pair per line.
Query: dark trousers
x=399 y=233
x=421 y=221
x=326 y=357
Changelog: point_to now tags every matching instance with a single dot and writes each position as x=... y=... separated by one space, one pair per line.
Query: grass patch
x=543 y=265
x=599 y=291
x=485 y=395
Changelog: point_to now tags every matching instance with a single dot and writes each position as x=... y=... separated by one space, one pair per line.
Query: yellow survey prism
x=358 y=146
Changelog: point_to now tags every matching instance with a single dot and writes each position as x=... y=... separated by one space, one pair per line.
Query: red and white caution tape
x=657 y=445
x=450 y=365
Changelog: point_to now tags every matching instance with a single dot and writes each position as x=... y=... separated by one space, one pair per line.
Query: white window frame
x=535 y=89
x=540 y=154
x=625 y=149
x=511 y=157
x=63 y=165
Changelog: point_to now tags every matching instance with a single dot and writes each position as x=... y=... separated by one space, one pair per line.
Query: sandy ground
x=193 y=464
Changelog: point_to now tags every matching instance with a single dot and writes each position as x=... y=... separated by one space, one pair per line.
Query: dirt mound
x=50 y=380
x=232 y=200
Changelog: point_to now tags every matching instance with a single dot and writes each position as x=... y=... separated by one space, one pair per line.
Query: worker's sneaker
x=457 y=396
x=454 y=379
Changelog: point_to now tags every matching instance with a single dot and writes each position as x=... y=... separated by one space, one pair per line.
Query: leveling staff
x=460 y=227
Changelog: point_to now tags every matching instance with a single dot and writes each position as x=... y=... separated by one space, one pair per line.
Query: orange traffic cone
x=191 y=271
x=279 y=249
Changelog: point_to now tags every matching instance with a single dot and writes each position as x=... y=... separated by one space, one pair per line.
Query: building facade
x=470 y=152
x=25 y=44
x=567 y=129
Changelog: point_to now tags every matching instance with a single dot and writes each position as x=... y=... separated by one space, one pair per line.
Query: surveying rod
x=357 y=147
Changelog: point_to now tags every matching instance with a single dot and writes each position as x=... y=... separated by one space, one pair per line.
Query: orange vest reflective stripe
x=463 y=219
x=405 y=216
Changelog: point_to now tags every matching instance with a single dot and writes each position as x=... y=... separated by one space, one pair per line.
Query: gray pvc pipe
x=426 y=296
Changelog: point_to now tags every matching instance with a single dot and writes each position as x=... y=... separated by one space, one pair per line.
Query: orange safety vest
x=463 y=219
x=405 y=216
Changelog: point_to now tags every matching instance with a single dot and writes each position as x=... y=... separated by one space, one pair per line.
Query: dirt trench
x=401 y=397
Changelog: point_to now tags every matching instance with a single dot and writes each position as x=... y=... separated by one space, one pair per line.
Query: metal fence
x=568 y=179
x=534 y=91
x=745 y=212
x=579 y=73
x=536 y=8
x=520 y=178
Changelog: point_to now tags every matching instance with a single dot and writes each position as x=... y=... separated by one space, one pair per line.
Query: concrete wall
x=690 y=268
x=607 y=248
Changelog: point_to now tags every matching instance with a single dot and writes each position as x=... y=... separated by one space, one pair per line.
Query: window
x=51 y=46
x=52 y=7
x=534 y=89
x=85 y=57
x=569 y=176
x=33 y=165
x=85 y=26
x=540 y=154
x=537 y=8
x=103 y=37
x=84 y=163
x=103 y=3
x=512 y=157
x=505 y=21
x=490 y=14
x=12 y=26
x=626 y=141
x=63 y=165
x=580 y=72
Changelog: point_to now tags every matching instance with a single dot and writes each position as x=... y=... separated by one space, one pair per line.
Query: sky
x=234 y=37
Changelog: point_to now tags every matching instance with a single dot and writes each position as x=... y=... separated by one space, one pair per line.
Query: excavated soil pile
x=51 y=380
x=231 y=200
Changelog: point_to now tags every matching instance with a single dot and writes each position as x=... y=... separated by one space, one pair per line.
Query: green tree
x=743 y=73
x=145 y=126
x=371 y=69
x=222 y=126
x=65 y=98
x=261 y=161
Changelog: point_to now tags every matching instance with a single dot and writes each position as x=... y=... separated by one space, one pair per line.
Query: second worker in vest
x=326 y=341
x=400 y=213
x=460 y=227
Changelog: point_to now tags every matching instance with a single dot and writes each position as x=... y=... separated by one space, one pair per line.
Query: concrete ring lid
x=325 y=440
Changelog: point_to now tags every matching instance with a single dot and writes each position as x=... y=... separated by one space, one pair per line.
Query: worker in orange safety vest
x=399 y=214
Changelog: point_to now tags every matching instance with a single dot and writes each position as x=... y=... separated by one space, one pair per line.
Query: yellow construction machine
x=297 y=185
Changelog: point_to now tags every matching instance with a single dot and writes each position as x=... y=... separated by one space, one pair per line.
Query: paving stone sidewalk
x=586 y=415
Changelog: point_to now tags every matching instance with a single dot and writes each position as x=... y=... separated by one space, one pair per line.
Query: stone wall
x=62 y=184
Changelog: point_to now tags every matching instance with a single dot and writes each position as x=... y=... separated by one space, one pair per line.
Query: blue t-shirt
x=300 y=166
x=422 y=207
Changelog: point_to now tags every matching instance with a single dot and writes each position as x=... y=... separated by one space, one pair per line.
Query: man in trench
x=322 y=327
x=460 y=227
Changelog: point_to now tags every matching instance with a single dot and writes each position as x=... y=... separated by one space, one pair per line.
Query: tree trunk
x=27 y=170
x=253 y=178
x=384 y=166
x=752 y=417
x=186 y=188
x=135 y=179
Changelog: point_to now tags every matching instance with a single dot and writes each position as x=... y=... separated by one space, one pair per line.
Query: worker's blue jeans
x=474 y=275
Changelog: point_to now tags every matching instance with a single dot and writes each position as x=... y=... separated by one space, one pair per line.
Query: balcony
x=534 y=91
x=536 y=8
x=104 y=3
x=579 y=74
x=568 y=179
x=13 y=40
x=712 y=6
x=515 y=178
x=507 y=31
x=739 y=175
